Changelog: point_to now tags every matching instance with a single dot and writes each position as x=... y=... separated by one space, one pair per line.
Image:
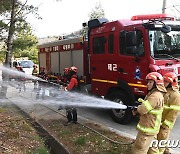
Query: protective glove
x=134 y=112
x=140 y=100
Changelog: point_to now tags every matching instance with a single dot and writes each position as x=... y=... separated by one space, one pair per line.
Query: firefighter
x=71 y=112
x=42 y=84
x=35 y=70
x=64 y=80
x=150 y=112
x=171 y=107
x=20 y=79
x=66 y=76
x=35 y=73
x=42 y=73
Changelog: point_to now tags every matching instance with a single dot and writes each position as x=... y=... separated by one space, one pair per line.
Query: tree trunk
x=9 y=50
x=10 y=34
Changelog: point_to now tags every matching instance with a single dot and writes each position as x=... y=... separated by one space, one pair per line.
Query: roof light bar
x=153 y=17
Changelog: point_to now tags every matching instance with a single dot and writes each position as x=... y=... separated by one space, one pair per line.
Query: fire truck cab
x=118 y=55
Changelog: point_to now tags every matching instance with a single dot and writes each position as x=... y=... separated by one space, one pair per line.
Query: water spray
x=55 y=95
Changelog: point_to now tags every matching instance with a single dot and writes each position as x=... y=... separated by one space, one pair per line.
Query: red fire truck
x=117 y=56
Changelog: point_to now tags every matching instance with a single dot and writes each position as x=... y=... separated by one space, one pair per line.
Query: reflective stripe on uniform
x=168 y=123
x=150 y=109
x=153 y=130
x=147 y=105
x=146 y=130
x=157 y=152
x=172 y=107
x=157 y=113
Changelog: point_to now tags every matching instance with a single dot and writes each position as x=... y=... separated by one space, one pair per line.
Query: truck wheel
x=119 y=115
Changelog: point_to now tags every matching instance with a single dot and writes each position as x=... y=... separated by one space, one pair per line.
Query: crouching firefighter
x=71 y=111
x=150 y=114
x=171 y=108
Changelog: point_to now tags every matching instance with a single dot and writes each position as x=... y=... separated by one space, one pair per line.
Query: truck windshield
x=164 y=45
x=26 y=64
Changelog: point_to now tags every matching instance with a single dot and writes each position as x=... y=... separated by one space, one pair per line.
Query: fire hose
x=95 y=131
x=111 y=140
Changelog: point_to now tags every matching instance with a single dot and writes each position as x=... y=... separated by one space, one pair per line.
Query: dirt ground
x=79 y=139
x=87 y=137
x=17 y=136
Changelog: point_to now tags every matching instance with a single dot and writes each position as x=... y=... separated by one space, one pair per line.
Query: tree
x=10 y=32
x=25 y=44
x=4 y=8
x=14 y=14
x=97 y=12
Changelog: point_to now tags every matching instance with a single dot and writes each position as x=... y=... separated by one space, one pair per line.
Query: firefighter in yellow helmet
x=150 y=113
x=35 y=70
x=171 y=107
x=35 y=73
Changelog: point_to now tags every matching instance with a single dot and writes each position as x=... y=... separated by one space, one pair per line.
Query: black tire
x=119 y=115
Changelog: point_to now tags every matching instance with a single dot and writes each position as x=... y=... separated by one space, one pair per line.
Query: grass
x=26 y=127
x=81 y=141
x=18 y=135
x=37 y=138
x=2 y=110
x=65 y=133
x=40 y=150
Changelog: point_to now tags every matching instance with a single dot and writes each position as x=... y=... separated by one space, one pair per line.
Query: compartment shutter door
x=65 y=60
x=54 y=66
x=77 y=59
x=42 y=60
